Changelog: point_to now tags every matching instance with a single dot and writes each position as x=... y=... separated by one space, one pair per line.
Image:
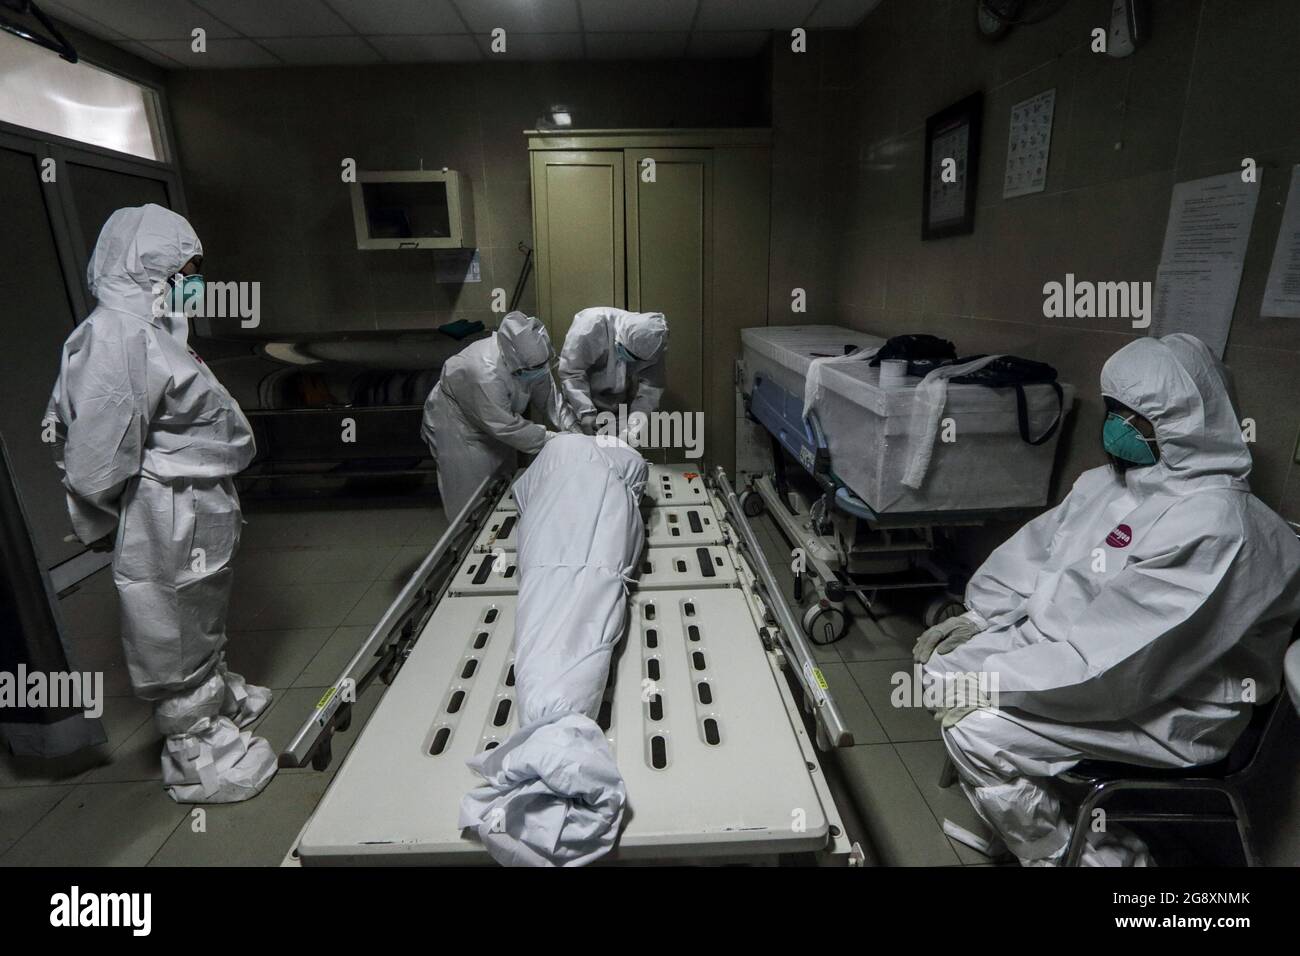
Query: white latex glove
x=962 y=694
x=946 y=635
x=636 y=426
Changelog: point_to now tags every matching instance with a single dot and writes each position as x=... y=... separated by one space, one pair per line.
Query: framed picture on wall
x=952 y=151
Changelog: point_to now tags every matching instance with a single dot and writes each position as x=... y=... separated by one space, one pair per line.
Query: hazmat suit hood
x=644 y=334
x=523 y=341
x=139 y=249
x=1178 y=385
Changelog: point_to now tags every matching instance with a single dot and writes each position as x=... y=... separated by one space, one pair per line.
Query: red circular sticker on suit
x=1121 y=537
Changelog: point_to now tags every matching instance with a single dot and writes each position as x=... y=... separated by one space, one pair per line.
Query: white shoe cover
x=216 y=764
x=1116 y=847
x=243 y=702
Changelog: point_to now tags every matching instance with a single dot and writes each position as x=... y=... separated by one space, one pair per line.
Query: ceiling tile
x=399 y=17
x=622 y=16
x=535 y=46
x=277 y=18
x=72 y=17
x=728 y=44
x=321 y=51
x=636 y=46
x=528 y=16
x=145 y=19
x=435 y=49
x=752 y=14
x=145 y=53
x=221 y=54
x=840 y=14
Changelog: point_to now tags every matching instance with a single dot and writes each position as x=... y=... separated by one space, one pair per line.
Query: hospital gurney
x=858 y=527
x=704 y=709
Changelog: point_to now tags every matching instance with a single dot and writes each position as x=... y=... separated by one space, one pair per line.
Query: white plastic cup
x=893 y=373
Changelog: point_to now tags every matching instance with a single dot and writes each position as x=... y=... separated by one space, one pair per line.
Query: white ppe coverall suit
x=1135 y=622
x=552 y=794
x=596 y=380
x=150 y=442
x=473 y=418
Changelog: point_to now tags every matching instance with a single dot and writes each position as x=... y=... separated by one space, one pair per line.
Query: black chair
x=1100 y=780
x=1104 y=779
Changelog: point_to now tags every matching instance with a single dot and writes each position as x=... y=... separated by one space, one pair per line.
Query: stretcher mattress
x=979 y=461
x=680 y=525
x=712 y=764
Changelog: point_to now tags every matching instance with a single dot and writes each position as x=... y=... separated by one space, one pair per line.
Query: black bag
x=923 y=353
x=1012 y=371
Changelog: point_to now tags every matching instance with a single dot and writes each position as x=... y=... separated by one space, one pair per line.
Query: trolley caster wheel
x=940 y=609
x=751 y=503
x=825 y=625
x=321 y=757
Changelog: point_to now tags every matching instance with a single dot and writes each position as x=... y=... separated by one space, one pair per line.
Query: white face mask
x=531 y=374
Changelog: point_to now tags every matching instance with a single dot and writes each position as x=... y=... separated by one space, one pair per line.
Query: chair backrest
x=1241 y=758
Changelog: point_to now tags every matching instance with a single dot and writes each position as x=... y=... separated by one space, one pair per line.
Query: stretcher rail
x=824 y=708
x=388 y=640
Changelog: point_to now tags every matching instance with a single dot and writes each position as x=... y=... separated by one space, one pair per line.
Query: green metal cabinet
x=577 y=233
x=672 y=221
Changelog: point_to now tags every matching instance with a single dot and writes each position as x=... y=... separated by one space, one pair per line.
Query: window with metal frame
x=77 y=101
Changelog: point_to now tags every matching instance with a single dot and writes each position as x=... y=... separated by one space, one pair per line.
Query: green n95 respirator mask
x=1125 y=442
x=187 y=294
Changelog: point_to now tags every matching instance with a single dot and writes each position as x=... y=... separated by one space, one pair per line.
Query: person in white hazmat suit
x=149 y=444
x=473 y=418
x=1135 y=622
x=552 y=794
x=613 y=357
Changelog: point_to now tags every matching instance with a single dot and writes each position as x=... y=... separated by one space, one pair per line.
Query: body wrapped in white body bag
x=552 y=793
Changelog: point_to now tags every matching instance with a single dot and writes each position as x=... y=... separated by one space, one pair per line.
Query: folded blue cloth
x=461 y=328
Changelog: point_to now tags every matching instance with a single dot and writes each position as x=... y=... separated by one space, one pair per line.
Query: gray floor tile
x=258 y=832
x=853 y=705
x=404 y=563
x=102 y=654
x=139 y=757
x=247 y=601
x=121 y=717
x=878 y=680
x=280 y=567
x=333 y=656
x=900 y=826
x=426 y=527
x=306 y=605
x=924 y=761
x=373 y=604
x=888 y=637
x=100 y=824
x=90 y=615
x=93 y=652
x=134 y=746
x=274 y=658
x=117 y=679
x=350 y=564
x=21 y=808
